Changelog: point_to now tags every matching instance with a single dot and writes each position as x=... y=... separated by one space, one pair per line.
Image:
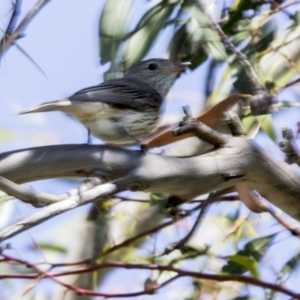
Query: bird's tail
x=60 y=105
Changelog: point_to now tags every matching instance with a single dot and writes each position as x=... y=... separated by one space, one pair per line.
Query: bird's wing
x=121 y=94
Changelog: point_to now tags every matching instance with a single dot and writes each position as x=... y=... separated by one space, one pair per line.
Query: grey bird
x=124 y=110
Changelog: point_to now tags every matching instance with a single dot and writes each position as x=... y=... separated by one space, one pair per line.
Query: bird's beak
x=178 y=67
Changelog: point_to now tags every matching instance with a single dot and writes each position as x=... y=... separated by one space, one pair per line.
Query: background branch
x=11 y=36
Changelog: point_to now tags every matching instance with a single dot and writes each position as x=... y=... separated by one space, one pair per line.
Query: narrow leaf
x=246 y=262
x=114 y=20
x=148 y=29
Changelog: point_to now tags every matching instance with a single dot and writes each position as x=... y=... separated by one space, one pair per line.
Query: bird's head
x=157 y=73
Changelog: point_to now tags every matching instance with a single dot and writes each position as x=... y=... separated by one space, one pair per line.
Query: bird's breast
x=113 y=130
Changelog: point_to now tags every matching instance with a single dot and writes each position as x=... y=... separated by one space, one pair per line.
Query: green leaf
x=268 y=127
x=185 y=45
x=102 y=218
x=241 y=36
x=116 y=68
x=296 y=18
x=246 y=263
x=253 y=252
x=194 y=40
x=242 y=298
x=291 y=264
x=160 y=201
x=189 y=252
x=242 y=82
x=113 y=25
x=259 y=246
x=52 y=247
x=268 y=30
x=146 y=32
x=237 y=12
x=266 y=124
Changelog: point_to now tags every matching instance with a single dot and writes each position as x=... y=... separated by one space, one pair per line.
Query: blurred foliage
x=51 y=247
x=6 y=135
x=229 y=240
x=247 y=258
x=251 y=25
x=254 y=28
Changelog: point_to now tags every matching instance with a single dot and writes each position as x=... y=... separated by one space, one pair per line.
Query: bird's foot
x=144 y=148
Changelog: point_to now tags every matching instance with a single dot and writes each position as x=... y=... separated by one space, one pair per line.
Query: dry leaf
x=211 y=118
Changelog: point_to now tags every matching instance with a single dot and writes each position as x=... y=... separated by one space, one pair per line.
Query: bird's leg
x=89 y=138
x=126 y=131
x=144 y=148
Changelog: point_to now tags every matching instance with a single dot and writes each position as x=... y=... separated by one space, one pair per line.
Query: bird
x=125 y=110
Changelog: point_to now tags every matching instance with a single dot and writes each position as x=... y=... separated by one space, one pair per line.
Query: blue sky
x=63 y=41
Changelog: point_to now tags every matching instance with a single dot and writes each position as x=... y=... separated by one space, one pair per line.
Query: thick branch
x=240 y=160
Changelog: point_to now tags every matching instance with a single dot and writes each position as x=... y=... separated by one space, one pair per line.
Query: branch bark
x=240 y=160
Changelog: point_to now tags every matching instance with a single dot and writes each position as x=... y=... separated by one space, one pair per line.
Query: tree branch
x=73 y=201
x=261 y=101
x=14 y=17
x=35 y=198
x=9 y=38
x=240 y=160
x=179 y=273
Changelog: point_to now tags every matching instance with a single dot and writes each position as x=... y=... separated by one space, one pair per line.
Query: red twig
x=180 y=273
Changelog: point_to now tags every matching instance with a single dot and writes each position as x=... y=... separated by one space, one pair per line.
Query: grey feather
x=120 y=93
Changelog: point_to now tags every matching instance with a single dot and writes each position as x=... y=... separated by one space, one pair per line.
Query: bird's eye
x=152 y=66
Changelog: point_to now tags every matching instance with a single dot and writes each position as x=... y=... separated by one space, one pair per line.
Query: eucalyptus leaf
x=291 y=264
x=146 y=32
x=247 y=258
x=259 y=246
x=113 y=25
x=195 y=40
x=268 y=127
x=246 y=263
x=237 y=13
x=186 y=45
x=52 y=247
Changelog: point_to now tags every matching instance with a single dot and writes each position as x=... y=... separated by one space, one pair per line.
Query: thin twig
x=256 y=86
x=234 y=123
x=96 y=193
x=180 y=273
x=14 y=17
x=26 y=195
x=150 y=231
x=292 y=83
x=200 y=130
x=261 y=101
x=136 y=237
x=180 y=244
x=293 y=230
x=9 y=39
x=283 y=6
